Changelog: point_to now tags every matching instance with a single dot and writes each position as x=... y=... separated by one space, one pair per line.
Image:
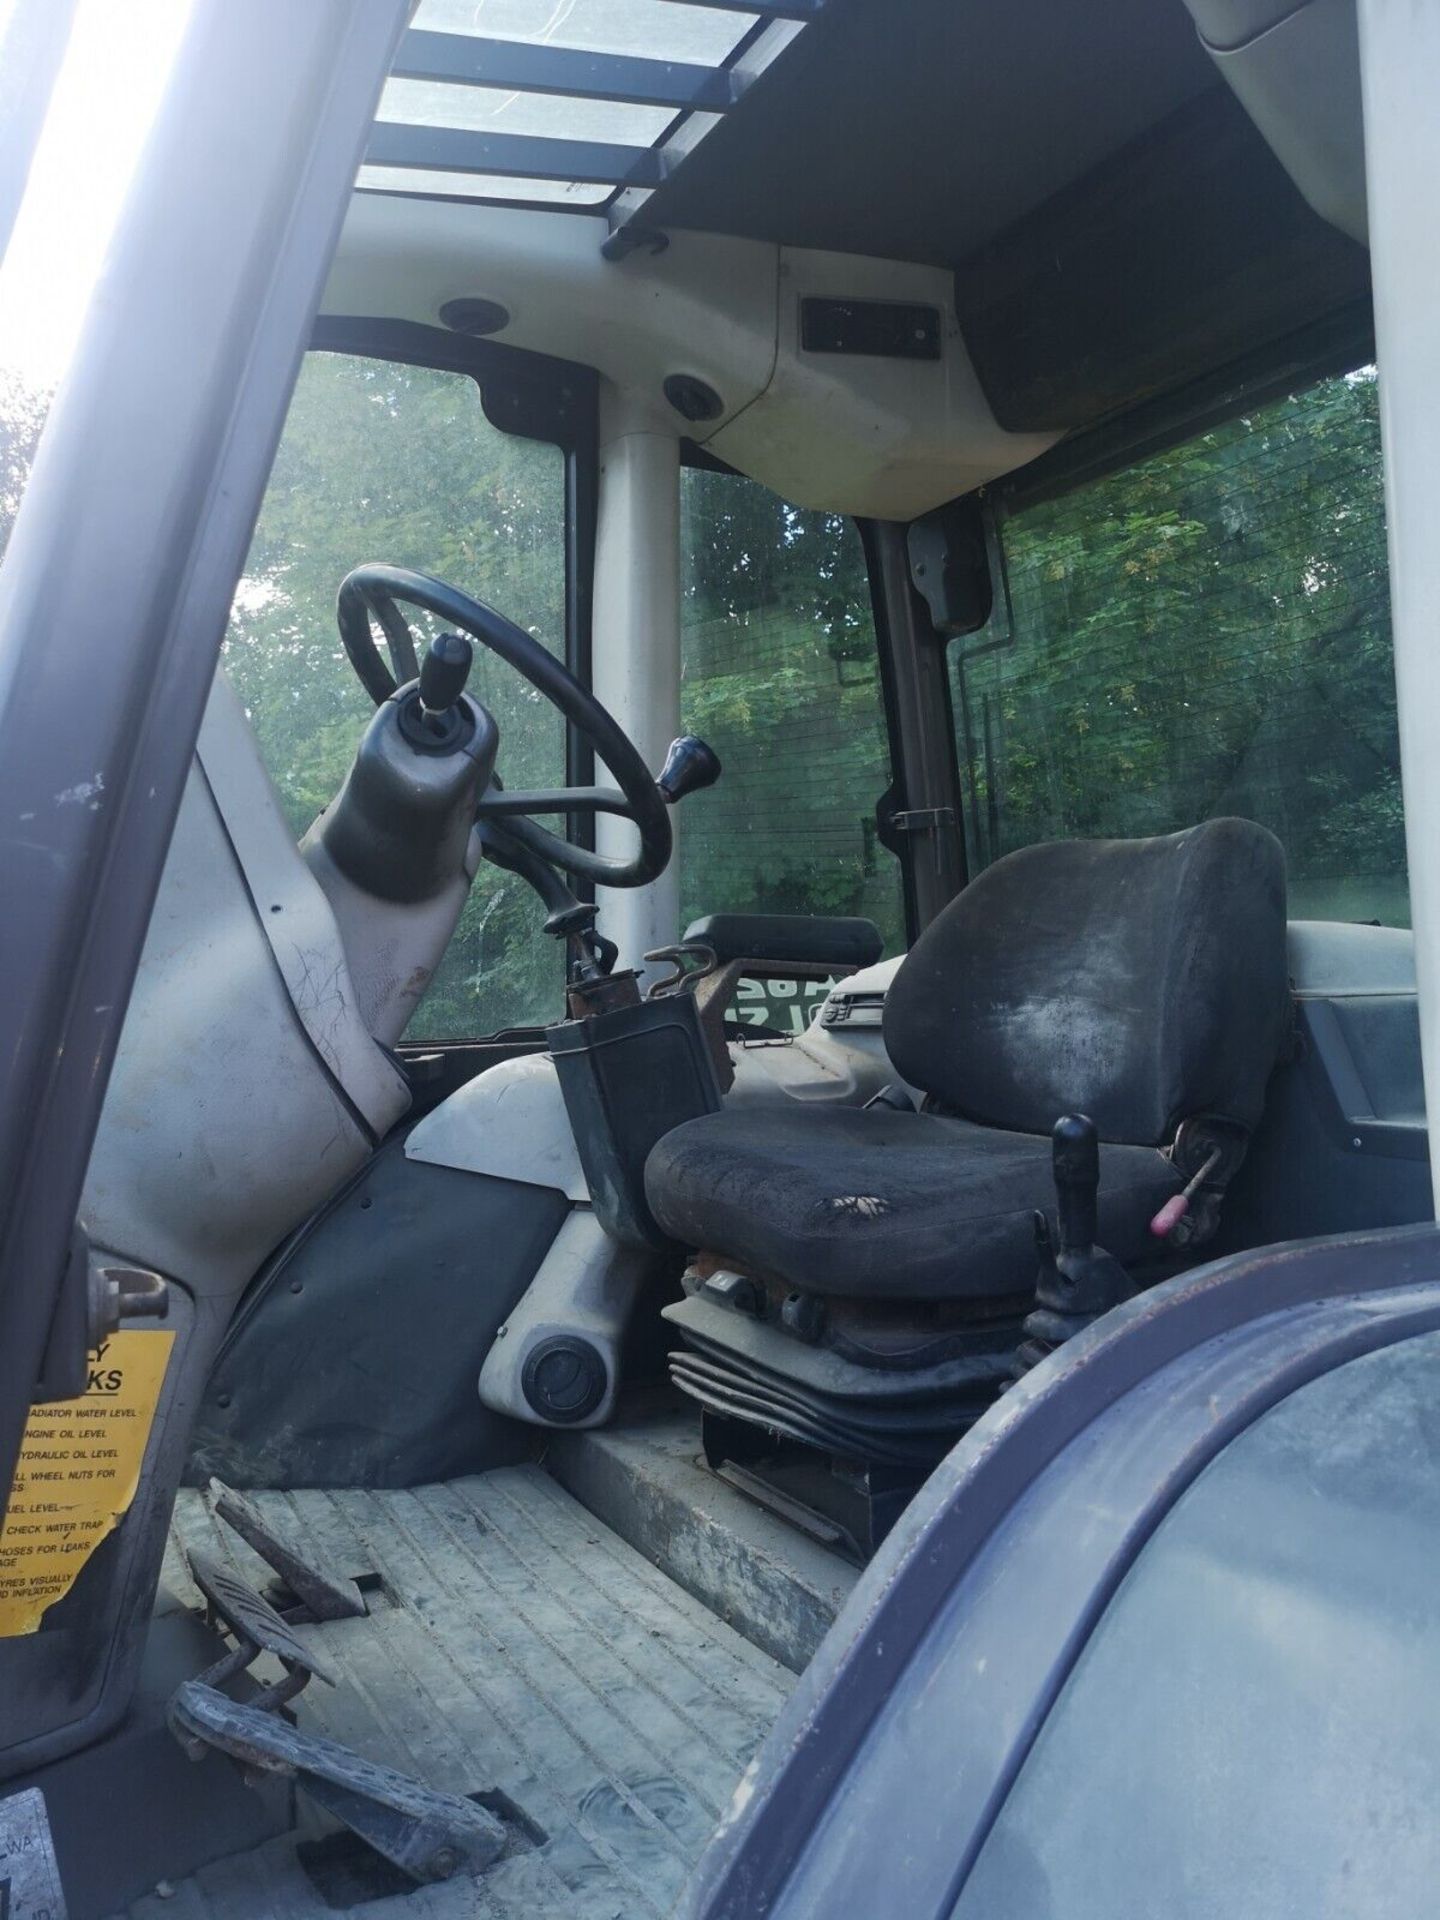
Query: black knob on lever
x=444 y=671
x=1075 y=1166
x=689 y=765
x=1078 y=1280
x=431 y=717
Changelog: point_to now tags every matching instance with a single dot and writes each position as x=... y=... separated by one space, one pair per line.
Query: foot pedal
x=427 y=1834
x=323 y=1595
x=256 y=1628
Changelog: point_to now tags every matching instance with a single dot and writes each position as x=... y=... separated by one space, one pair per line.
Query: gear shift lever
x=1080 y=1281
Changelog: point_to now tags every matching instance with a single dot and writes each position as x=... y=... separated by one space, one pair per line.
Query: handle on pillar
x=689 y=765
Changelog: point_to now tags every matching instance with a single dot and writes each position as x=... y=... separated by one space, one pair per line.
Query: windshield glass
x=381 y=461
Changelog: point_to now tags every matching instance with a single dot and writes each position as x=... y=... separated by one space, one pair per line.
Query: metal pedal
x=324 y=1595
x=256 y=1628
x=427 y=1834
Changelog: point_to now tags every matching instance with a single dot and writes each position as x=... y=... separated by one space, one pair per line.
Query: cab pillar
x=1399 y=62
x=637 y=637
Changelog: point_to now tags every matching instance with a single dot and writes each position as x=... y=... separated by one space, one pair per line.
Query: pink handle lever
x=1170 y=1216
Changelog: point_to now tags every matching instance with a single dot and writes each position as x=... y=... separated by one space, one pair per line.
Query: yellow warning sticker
x=77 y=1474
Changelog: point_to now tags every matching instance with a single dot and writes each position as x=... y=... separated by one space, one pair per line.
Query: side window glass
x=381 y=461
x=1251 y=1727
x=780 y=673
x=1205 y=633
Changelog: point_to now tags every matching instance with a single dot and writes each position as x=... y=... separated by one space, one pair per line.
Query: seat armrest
x=815 y=940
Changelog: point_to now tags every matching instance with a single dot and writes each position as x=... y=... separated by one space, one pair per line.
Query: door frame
x=123 y=561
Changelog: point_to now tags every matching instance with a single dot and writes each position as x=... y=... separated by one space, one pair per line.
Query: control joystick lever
x=444 y=671
x=1078 y=1280
x=432 y=716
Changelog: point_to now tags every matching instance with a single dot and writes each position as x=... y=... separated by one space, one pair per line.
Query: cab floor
x=516 y=1645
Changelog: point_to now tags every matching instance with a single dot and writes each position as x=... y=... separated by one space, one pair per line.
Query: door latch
x=922 y=819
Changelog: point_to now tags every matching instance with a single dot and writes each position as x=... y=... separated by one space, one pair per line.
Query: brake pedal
x=256 y=1628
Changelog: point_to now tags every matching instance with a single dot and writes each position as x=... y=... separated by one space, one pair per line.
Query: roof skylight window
x=655 y=29
x=564 y=103
x=555 y=116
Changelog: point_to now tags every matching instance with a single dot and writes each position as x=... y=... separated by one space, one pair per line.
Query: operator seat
x=862 y=1273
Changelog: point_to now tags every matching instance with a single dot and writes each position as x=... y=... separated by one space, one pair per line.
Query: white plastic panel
x=1296 y=72
x=510 y=1123
x=221 y=1128
x=851 y=433
x=245 y=1070
x=1400 y=60
x=587 y=1287
x=705 y=306
x=294 y=915
x=842 y=432
x=1334 y=958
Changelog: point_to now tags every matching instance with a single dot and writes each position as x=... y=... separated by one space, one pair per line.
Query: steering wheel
x=377 y=592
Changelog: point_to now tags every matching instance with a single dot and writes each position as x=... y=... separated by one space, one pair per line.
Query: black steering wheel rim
x=376 y=591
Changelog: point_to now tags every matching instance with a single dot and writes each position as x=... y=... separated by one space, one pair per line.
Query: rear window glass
x=779 y=671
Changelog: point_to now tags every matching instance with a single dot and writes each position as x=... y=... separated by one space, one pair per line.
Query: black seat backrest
x=1140 y=981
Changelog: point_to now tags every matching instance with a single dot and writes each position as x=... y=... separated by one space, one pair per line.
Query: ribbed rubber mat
x=517 y=1645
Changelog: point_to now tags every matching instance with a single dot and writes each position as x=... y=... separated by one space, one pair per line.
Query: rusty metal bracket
x=686 y=977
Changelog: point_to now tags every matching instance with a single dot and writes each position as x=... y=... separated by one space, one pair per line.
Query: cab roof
x=1116 y=223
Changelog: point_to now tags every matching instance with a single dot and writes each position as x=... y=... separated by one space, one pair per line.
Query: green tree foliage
x=384 y=462
x=381 y=462
x=779 y=673
x=1206 y=632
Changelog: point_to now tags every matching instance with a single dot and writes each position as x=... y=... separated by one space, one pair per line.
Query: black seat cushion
x=883 y=1205
x=1139 y=981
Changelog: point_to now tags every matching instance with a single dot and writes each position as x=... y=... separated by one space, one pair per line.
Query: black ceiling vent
x=693 y=398
x=475 y=317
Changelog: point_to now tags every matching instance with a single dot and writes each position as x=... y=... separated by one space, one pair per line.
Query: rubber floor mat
x=516 y=1650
